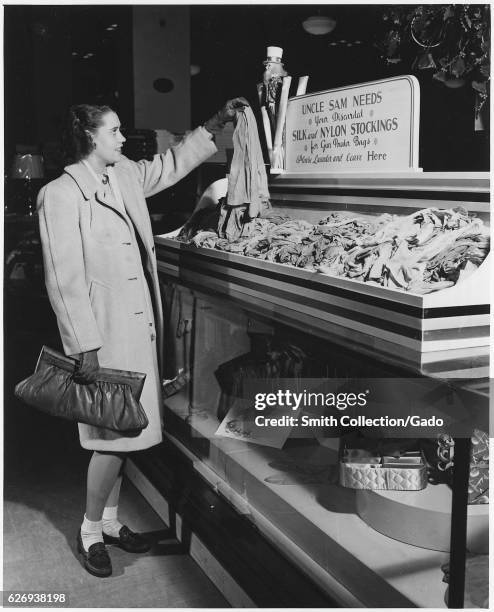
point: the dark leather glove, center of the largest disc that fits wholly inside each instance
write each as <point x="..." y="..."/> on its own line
<point x="87" y="368"/>
<point x="226" y="114"/>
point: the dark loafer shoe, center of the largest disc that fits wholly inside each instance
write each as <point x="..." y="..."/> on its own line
<point x="96" y="560"/>
<point x="128" y="540"/>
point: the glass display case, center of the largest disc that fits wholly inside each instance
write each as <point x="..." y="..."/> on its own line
<point x="230" y="318"/>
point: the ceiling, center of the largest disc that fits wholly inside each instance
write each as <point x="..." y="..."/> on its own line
<point x="229" y="43"/>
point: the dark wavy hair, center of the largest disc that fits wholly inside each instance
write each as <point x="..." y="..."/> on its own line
<point x="82" y="119"/>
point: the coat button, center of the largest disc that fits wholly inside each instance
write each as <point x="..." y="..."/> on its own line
<point x="153" y="337"/>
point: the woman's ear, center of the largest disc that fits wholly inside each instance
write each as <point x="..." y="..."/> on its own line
<point x="90" y="137"/>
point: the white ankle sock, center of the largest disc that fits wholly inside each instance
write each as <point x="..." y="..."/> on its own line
<point x="111" y="525"/>
<point x="91" y="532"/>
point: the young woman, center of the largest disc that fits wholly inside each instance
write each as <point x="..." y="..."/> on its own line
<point x="102" y="281"/>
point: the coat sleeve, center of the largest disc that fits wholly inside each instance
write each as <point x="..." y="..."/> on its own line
<point x="168" y="168"/>
<point x="65" y="277"/>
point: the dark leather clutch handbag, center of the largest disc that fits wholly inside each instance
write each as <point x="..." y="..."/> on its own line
<point x="111" y="402"/>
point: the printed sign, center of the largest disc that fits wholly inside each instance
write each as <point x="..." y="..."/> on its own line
<point x="369" y="127"/>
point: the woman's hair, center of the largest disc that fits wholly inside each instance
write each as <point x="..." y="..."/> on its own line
<point x="82" y="120"/>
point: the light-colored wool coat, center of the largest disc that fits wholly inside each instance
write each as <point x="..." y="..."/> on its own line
<point x="94" y="272"/>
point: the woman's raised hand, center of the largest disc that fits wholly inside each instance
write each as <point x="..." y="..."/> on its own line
<point x="226" y="114"/>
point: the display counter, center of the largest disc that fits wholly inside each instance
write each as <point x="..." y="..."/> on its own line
<point x="225" y="312"/>
<point x="444" y="333"/>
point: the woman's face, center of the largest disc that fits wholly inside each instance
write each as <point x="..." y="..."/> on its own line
<point x="108" y="140"/>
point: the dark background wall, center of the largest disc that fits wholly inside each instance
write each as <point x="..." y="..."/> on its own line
<point x="46" y="69"/>
<point x="229" y="42"/>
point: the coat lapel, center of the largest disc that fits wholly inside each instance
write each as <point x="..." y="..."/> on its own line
<point x="90" y="187"/>
<point x="105" y="196"/>
<point x="130" y="199"/>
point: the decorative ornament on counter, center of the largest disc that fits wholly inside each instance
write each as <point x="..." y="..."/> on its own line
<point x="272" y="82"/>
<point x="273" y="95"/>
<point x="269" y="92"/>
<point x="452" y="40"/>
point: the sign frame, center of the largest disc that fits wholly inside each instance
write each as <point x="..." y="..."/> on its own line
<point x="413" y="131"/>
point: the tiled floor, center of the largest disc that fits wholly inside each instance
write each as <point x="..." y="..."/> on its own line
<point x="44" y="482"/>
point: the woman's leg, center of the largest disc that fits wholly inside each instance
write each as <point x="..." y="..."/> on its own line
<point x="115" y="492"/>
<point x="111" y="524"/>
<point x="102" y="474"/>
<point x="103" y="490"/>
<point x="103" y="471"/>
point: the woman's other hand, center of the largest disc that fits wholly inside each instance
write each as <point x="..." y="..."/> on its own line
<point x="226" y="114"/>
<point x="87" y="368"/>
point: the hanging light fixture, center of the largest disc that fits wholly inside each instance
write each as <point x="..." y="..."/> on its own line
<point x="318" y="25"/>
